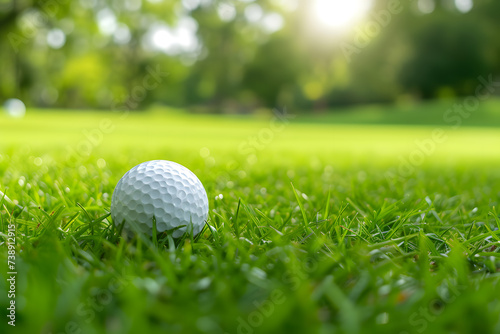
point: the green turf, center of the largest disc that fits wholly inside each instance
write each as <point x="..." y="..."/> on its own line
<point x="315" y="227"/>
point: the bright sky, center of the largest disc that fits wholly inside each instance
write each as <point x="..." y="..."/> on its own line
<point x="340" y="14"/>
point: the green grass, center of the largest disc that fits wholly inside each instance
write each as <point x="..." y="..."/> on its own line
<point x="428" y="113"/>
<point x="317" y="229"/>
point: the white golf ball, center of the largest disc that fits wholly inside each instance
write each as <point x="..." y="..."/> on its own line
<point x="165" y="190"/>
<point x="15" y="108"/>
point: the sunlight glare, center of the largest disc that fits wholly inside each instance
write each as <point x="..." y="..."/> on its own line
<point x="340" y="13"/>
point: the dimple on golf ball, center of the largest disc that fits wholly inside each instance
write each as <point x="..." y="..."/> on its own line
<point x="165" y="190"/>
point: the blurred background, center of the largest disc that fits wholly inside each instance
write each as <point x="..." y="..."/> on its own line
<point x="241" y="56"/>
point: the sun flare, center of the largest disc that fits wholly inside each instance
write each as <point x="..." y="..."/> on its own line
<point x="340" y="14"/>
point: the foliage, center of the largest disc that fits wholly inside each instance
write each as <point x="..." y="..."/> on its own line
<point x="239" y="65"/>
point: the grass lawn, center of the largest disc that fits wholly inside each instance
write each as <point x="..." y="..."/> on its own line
<point x="315" y="226"/>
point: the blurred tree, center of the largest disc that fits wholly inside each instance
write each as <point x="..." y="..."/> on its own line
<point x="277" y="65"/>
<point x="445" y="55"/>
<point x="238" y="55"/>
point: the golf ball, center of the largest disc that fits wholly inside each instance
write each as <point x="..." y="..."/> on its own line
<point x="15" y="108"/>
<point x="165" y="190"/>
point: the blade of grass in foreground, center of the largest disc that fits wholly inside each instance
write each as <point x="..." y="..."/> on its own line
<point x="304" y="215"/>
